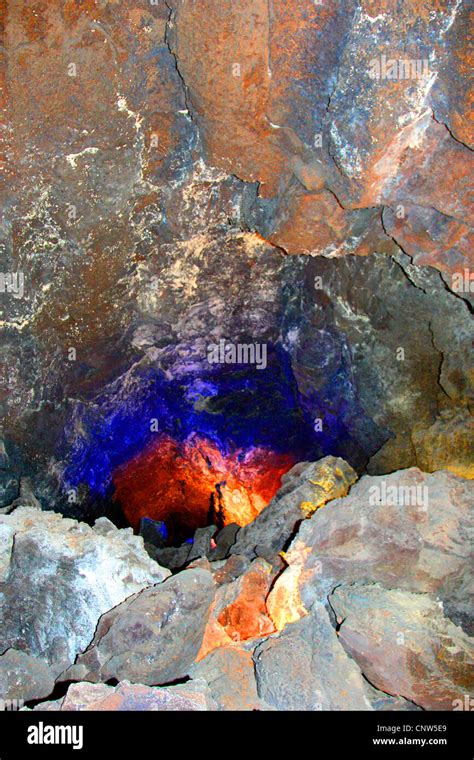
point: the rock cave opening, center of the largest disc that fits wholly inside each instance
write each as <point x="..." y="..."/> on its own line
<point x="209" y="449"/>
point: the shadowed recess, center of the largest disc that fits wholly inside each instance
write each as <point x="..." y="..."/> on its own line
<point x="195" y="449"/>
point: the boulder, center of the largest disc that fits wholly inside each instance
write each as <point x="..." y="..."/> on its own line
<point x="58" y="576"/>
<point x="404" y="644"/>
<point x="407" y="530"/>
<point x="230" y="676"/>
<point x="224" y="540"/>
<point x="131" y="697"/>
<point x="305" y="489"/>
<point x="153" y="637"/>
<point x="24" y="677"/>
<point x="306" y="668"/>
<point x="239" y="611"/>
<point x="201" y="546"/>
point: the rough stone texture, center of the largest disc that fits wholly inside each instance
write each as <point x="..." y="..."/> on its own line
<point x="224" y="539"/>
<point x="229" y="674"/>
<point x="432" y="239"/>
<point x="239" y="611"/>
<point x="59" y="576"/>
<point x="404" y="644"/>
<point x="202" y="542"/>
<point x="306" y="488"/>
<point x="416" y="541"/>
<point x="175" y="558"/>
<point x="153" y="637"/>
<point x="132" y="697"/>
<point x="160" y="161"/>
<point x="379" y="137"/>
<point x="360" y="313"/>
<point x="123" y="151"/>
<point x="24" y="677"/>
<point x="306" y="668"/>
<point x="447" y="443"/>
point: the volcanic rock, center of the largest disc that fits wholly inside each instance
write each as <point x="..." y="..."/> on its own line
<point x="153" y="532"/>
<point x="305" y="489"/>
<point x="58" y="576"/>
<point x="239" y="610"/>
<point x="201" y="546"/>
<point x="162" y="159"/>
<point x="24" y="677"/>
<point x="132" y="697"/>
<point x="407" y="530"/>
<point x="306" y="668"/>
<point x="153" y="637"/>
<point x="230" y="676"/>
<point x="404" y="644"/>
<point x="224" y="540"/>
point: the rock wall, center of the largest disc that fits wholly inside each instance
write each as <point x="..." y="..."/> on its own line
<point x="184" y="177"/>
<point x="160" y="169"/>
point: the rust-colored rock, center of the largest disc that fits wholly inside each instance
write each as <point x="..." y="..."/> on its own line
<point x="239" y="612"/>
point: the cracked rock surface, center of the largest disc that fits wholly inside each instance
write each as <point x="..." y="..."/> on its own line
<point x="185" y="172"/>
<point x="59" y="576"/>
<point x="367" y="609"/>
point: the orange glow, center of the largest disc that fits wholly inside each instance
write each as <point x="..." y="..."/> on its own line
<point x="240" y="611"/>
<point x="192" y="484"/>
<point x="284" y="603"/>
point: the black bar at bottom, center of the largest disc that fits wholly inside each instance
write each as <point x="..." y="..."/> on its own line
<point x="95" y="735"/>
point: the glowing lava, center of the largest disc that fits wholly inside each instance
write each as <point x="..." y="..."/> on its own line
<point x="192" y="484"/>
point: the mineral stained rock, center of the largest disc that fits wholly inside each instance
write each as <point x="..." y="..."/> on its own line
<point x="154" y="636"/>
<point x="239" y="610"/>
<point x="404" y="644"/>
<point x="184" y="177"/>
<point x="367" y="609"/>
<point x="306" y="668"/>
<point x="408" y="530"/>
<point x="132" y="697"/>
<point x="229" y="673"/>
<point x="58" y="576"/>
<point x="158" y="170"/>
<point x="306" y="488"/>
<point x="23" y="677"/>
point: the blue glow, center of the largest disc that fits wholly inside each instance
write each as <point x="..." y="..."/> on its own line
<point x="234" y="406"/>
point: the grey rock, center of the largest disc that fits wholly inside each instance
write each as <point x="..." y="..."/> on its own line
<point x="382" y="702"/>
<point x="172" y="557"/>
<point x="24" y="677"/>
<point x="306" y="668"/>
<point x="9" y="487"/>
<point x="154" y="636"/>
<point x="152" y="532"/>
<point x="305" y="489"/>
<point x="230" y="676"/>
<point x="404" y="644"/>
<point x="192" y="696"/>
<point x="58" y="576"/>
<point x="201" y="546"/>
<point x="26" y="498"/>
<point x="224" y="540"/>
<point x="421" y="543"/>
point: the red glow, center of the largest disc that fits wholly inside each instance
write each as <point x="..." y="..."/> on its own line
<point x="192" y="484"/>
